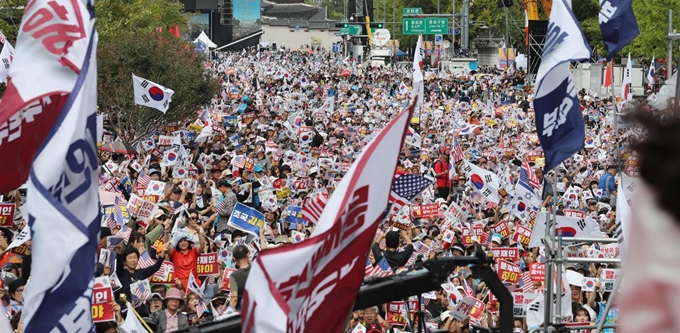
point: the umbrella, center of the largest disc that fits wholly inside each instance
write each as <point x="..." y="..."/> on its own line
<point x="345" y="73"/>
<point x="118" y="147"/>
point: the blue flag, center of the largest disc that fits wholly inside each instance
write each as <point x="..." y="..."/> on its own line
<point x="559" y="123"/>
<point x="64" y="204"/>
<point x="246" y="219"/>
<point x="617" y="24"/>
<point x="201" y="47"/>
<point x="294" y="215"/>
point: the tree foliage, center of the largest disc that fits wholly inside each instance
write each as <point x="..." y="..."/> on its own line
<point x="144" y="16"/>
<point x="158" y="57"/>
<point x="12" y="11"/>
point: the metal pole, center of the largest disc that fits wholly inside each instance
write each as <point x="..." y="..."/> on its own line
<point x="437" y="6"/>
<point x="610" y="301"/>
<point x="466" y="26"/>
<point x="669" y="62"/>
<point x="453" y="30"/>
<point x="507" y="37"/>
<point x="547" y="316"/>
<point x="558" y="284"/>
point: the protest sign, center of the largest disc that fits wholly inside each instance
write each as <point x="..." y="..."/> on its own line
<point x="506" y="253"/>
<point x="246" y="219"/>
<point x="425" y="211"/>
<point x="225" y="278"/>
<point x="508" y="272"/>
<point x="608" y="276"/>
<point x="102" y="298"/>
<point x="520" y="303"/>
<point x="462" y="310"/>
<point x="167" y="276"/>
<point x="522" y="235"/>
<point x="500" y="228"/>
<point x="575" y="213"/>
<point x="395" y="311"/>
<point x="294" y="215"/>
<point x="146" y="213"/>
<point x="537" y="271"/>
<point x="206" y="264"/>
<point x="7" y="214"/>
<point x="165" y="140"/>
<point x="477" y="310"/>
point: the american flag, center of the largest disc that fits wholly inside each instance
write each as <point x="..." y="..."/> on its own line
<point x="313" y="207"/>
<point x="381" y="269"/>
<point x="145" y="260"/>
<point x="140" y="292"/>
<point x="125" y="233"/>
<point x="110" y="221"/>
<point x="418" y="248"/>
<point x="406" y="188"/>
<point x="4" y="309"/>
<point x="143" y="179"/>
<point x="221" y="205"/>
<point x="201" y="307"/>
<point x="466" y="288"/>
<point x="526" y="283"/>
<point x="527" y="175"/>
<point x="457" y="152"/>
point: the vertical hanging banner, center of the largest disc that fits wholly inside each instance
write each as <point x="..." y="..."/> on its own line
<point x="56" y="124"/>
<point x="559" y="123"/>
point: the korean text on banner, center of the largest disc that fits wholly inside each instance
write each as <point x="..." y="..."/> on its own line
<point x="7" y="214"/>
<point x="102" y="298"/>
<point x="64" y="204"/>
<point x="332" y="269"/>
<point x="246" y="219"/>
<point x="294" y="215"/>
<point x="206" y="264"/>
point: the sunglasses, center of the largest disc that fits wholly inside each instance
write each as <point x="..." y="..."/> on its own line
<point x="219" y="303"/>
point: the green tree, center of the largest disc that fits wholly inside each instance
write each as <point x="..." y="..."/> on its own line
<point x="161" y="58"/>
<point x="145" y="16"/>
<point x="12" y="11"/>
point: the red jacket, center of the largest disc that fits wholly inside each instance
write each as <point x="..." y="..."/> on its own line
<point x="442" y="166"/>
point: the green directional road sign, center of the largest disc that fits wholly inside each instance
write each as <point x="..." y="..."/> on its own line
<point x="413" y="11"/>
<point x="351" y="30"/>
<point x="413" y="26"/>
<point x="425" y="26"/>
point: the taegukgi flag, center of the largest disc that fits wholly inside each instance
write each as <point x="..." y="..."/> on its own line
<point x="151" y="94"/>
<point x="559" y="123"/>
<point x="64" y="204"/>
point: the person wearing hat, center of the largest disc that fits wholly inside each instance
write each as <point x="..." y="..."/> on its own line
<point x="441" y="170"/>
<point x="155" y="174"/>
<point x="608" y="183"/>
<point x="155" y="302"/>
<point x="219" y="305"/>
<point x="184" y="256"/>
<point x="229" y="196"/>
<point x="170" y="319"/>
<point x="128" y="273"/>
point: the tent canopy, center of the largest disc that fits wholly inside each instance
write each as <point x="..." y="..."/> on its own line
<point x="204" y="38"/>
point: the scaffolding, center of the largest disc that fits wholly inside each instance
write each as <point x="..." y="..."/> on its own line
<point x="226" y="12"/>
<point x="538" y="29"/>
<point x="555" y="261"/>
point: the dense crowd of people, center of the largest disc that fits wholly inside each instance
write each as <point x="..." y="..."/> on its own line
<point x="190" y="205"/>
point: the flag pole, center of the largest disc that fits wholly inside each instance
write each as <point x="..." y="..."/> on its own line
<point x="130" y="308"/>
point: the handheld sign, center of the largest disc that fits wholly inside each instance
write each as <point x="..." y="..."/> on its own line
<point x="246" y="219"/>
<point x="102" y="296"/>
<point x="7" y="214"/>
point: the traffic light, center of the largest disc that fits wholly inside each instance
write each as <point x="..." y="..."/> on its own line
<point x="341" y="25"/>
<point x="376" y="25"/>
<point x="504" y="3"/>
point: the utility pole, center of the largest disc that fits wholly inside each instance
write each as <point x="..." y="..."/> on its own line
<point x="453" y="30"/>
<point x="465" y="26"/>
<point x="669" y="57"/>
<point x="507" y="37"/>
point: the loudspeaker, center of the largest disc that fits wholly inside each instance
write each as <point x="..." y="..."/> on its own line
<point x="274" y="47"/>
<point x="538" y="29"/>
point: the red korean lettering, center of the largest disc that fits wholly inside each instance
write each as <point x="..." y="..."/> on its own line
<point x="57" y="36"/>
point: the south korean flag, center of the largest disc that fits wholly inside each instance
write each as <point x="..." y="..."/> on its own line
<point x="525" y="201"/>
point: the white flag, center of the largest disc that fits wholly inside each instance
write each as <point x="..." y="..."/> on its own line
<point x="64" y="204"/>
<point x="418" y="85"/>
<point x="626" y="86"/>
<point x="132" y="323"/>
<point x="24" y="235"/>
<point x="151" y="94"/>
<point x="6" y="56"/>
<point x="569" y="226"/>
<point x="524" y="202"/>
<point x="327" y="107"/>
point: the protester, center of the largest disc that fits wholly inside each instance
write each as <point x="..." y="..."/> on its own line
<point x="247" y="179"/>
